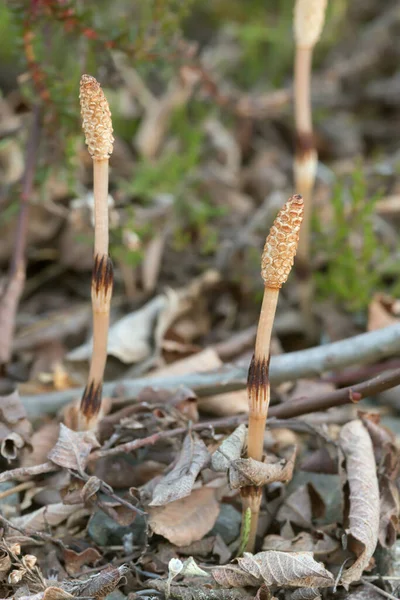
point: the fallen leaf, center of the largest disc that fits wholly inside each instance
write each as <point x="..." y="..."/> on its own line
<point x="190" y="591"/>
<point x="98" y="585"/>
<point x="358" y="472"/>
<point x="247" y="471"/>
<point x="73" y="448"/>
<point x="50" y="593"/>
<point x="225" y="405"/>
<point x="130" y="338"/>
<point x="186" y="520"/>
<point x="230" y="449"/>
<point x="74" y="561"/>
<point x="203" y="361"/>
<point x="297" y="569"/>
<point x="319" y="543"/>
<point x="179" y="482"/>
<point x="305" y="594"/>
<point x="302" y="506"/>
<point x="51" y="515"/>
<point x="42" y="441"/>
<point x="383" y="310"/>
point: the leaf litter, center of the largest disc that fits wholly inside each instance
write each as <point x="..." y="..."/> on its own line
<point x="70" y="501"/>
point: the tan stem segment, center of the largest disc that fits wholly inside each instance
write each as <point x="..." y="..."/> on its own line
<point x="259" y="394"/>
<point x="252" y="499"/>
<point x="305" y="167"/>
<point x="100" y="192"/>
<point x="302" y="90"/>
<point x="265" y="323"/>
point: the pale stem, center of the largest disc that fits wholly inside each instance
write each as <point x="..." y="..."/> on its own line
<point x="100" y="192"/>
<point x="253" y="501"/>
<point x="101" y="320"/>
<point x="302" y="90"/>
<point x="265" y="323"/>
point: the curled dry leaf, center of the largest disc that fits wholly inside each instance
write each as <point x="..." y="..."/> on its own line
<point x="73" y="448"/>
<point x="47" y="516"/>
<point x="186" y="520"/>
<point x="362" y="505"/>
<point x="297" y="569"/>
<point x="230" y="449"/>
<point x="15" y="429"/>
<point x="179" y="482"/>
<point x="247" y="471"/>
<point x="5" y="563"/>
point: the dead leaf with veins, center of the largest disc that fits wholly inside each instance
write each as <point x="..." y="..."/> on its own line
<point x="15" y="429"/>
<point x="284" y="569"/>
<point x="362" y="505"/>
<point x="179" y="482"/>
<point x="186" y="520"/>
<point x="72" y="448"/>
<point x="319" y="543"/>
<point x="247" y="471"/>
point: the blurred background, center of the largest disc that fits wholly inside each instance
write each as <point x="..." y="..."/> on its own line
<point x="201" y="99"/>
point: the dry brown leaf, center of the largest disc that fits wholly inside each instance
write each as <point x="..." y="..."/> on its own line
<point x="179" y="482"/>
<point x="305" y="594"/>
<point x="383" y="311"/>
<point x="51" y="515"/>
<point x="297" y="569"/>
<point x="225" y="405"/>
<point x="359" y="473"/>
<point x="247" y="471"/>
<point x="186" y="520"/>
<point x="190" y="591"/>
<point x="206" y="360"/>
<point x="98" y="585"/>
<point x="230" y="449"/>
<point x="73" y="448"/>
<point x="74" y="561"/>
<point x="320" y="544"/>
<point x="302" y="506"/>
<point x="42" y="442"/>
<point x="50" y="593"/>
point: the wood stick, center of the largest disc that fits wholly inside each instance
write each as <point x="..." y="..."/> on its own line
<point x="361" y="349"/>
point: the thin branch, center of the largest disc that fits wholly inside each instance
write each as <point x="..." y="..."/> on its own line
<point x="361" y="349"/>
<point x="347" y="395"/>
<point x="16" y="278"/>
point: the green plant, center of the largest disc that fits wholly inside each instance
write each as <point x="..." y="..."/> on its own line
<point x="354" y="252"/>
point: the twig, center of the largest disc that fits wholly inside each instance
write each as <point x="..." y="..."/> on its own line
<point x="378" y="590"/>
<point x="107" y="491"/>
<point x="22" y="472"/>
<point x="363" y="348"/>
<point x="39" y="534"/>
<point x="21" y="487"/>
<point x="347" y="395"/>
<point x="278" y="415"/>
<point x="16" y="278"/>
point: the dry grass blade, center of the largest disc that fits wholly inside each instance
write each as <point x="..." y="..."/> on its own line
<point x="362" y="505"/>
